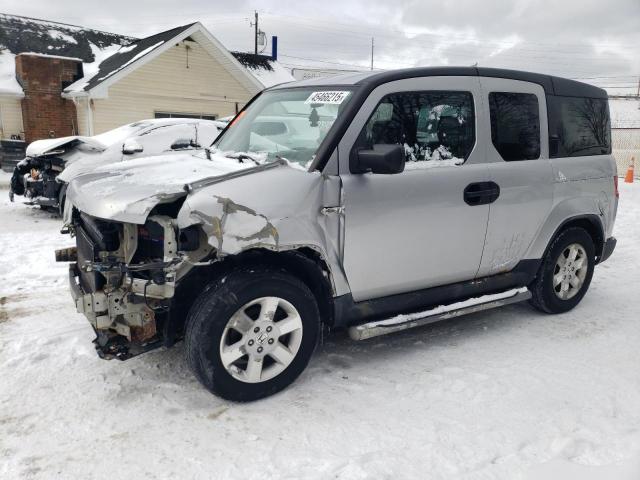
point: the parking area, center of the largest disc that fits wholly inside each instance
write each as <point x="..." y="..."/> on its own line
<point x="509" y="393"/>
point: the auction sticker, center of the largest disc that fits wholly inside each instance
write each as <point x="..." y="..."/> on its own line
<point x="331" y="97"/>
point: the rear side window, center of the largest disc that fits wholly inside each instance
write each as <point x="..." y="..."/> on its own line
<point x="578" y="126"/>
<point x="515" y="125"/>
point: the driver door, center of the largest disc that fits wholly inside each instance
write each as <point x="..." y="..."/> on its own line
<point x="416" y="229"/>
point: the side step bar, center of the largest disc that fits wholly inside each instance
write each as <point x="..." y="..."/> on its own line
<point x="442" y="312"/>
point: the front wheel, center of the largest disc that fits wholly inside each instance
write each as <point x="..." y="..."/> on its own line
<point x="251" y="333"/>
<point x="565" y="273"/>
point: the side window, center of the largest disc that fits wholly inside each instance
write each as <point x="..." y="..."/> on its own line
<point x="578" y="126"/>
<point x="436" y="128"/>
<point x="515" y="125"/>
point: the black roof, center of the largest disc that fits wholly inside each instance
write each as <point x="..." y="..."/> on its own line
<point x="552" y="85"/>
<point x="25" y="34"/>
<point x="134" y="50"/>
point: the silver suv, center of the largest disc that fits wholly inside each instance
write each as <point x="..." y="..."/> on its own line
<point x="373" y="202"/>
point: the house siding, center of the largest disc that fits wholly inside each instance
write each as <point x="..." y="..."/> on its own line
<point x="10" y="117"/>
<point x="180" y="80"/>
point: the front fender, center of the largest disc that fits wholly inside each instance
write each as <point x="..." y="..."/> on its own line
<point x="277" y="214"/>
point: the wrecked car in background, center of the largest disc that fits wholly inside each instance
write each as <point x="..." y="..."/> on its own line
<point x="42" y="177"/>
<point x="375" y="202"/>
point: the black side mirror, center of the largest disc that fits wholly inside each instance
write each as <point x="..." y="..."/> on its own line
<point x="131" y="146"/>
<point x="386" y="159"/>
<point x="182" y="143"/>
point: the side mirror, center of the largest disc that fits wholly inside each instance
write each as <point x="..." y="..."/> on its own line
<point x="131" y="146"/>
<point x="182" y="143"/>
<point x="385" y="159"/>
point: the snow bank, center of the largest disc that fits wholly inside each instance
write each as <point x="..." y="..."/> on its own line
<point x="502" y="395"/>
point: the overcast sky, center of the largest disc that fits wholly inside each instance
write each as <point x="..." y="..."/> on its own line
<point x="572" y="38"/>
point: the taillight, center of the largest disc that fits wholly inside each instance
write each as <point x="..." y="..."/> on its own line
<point x="615" y="186"/>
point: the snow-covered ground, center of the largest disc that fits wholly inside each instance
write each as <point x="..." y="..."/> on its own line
<point x="505" y="394"/>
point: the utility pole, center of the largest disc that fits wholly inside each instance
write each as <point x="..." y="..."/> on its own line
<point x="638" y="92"/>
<point x="256" y="32"/>
<point x="371" y="53"/>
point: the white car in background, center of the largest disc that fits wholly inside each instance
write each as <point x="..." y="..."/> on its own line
<point x="42" y="177"/>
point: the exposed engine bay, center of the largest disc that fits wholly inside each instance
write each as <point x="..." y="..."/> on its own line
<point x="35" y="179"/>
<point x="124" y="279"/>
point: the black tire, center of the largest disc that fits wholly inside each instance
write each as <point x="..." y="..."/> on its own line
<point x="544" y="296"/>
<point x="214" y="307"/>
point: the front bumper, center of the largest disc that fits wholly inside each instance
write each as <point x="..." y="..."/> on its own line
<point x="124" y="323"/>
<point x="607" y="250"/>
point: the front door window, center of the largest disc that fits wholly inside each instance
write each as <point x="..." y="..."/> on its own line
<point x="436" y="128"/>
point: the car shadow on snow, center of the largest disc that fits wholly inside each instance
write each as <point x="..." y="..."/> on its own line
<point x="336" y="353"/>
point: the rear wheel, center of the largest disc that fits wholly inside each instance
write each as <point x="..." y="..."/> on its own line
<point x="252" y="333"/>
<point x="565" y="273"/>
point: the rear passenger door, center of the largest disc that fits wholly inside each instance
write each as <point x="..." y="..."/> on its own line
<point x="518" y="161"/>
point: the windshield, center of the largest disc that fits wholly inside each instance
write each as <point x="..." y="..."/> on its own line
<point x="287" y="124"/>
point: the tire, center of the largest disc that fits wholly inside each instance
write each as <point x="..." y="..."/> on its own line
<point x="62" y="197"/>
<point x="547" y="294"/>
<point x="215" y="316"/>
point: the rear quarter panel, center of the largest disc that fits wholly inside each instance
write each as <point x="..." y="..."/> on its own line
<point x="583" y="186"/>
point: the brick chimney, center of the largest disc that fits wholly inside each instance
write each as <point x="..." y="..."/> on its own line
<point x="45" y="114"/>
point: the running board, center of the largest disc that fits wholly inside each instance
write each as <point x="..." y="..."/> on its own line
<point x="442" y="312"/>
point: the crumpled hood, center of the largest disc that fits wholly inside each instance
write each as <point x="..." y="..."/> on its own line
<point x="128" y="191"/>
<point x="42" y="147"/>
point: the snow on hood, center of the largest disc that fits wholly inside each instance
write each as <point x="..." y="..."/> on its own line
<point x="128" y="191"/>
<point x="42" y="147"/>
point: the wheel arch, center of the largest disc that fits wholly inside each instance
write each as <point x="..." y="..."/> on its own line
<point x="304" y="263"/>
<point x="589" y="222"/>
<point x="581" y="211"/>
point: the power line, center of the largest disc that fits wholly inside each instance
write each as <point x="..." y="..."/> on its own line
<point x="406" y="32"/>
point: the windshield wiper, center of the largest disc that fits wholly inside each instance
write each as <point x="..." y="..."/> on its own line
<point x="241" y="157"/>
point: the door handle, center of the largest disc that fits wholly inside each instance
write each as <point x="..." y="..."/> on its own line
<point x="481" y="193"/>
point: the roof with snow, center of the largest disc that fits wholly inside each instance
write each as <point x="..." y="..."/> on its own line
<point x="25" y="34"/>
<point x="128" y="54"/>
<point x="267" y="70"/>
<point x="106" y="54"/>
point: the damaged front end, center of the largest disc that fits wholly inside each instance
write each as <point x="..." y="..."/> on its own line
<point x="35" y="179"/>
<point x="123" y="279"/>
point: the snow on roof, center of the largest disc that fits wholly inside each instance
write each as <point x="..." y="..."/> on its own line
<point x="268" y="71"/>
<point x="625" y="112"/>
<point x="46" y="55"/>
<point x="123" y="57"/>
<point x="24" y="34"/>
<point x="103" y="54"/>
